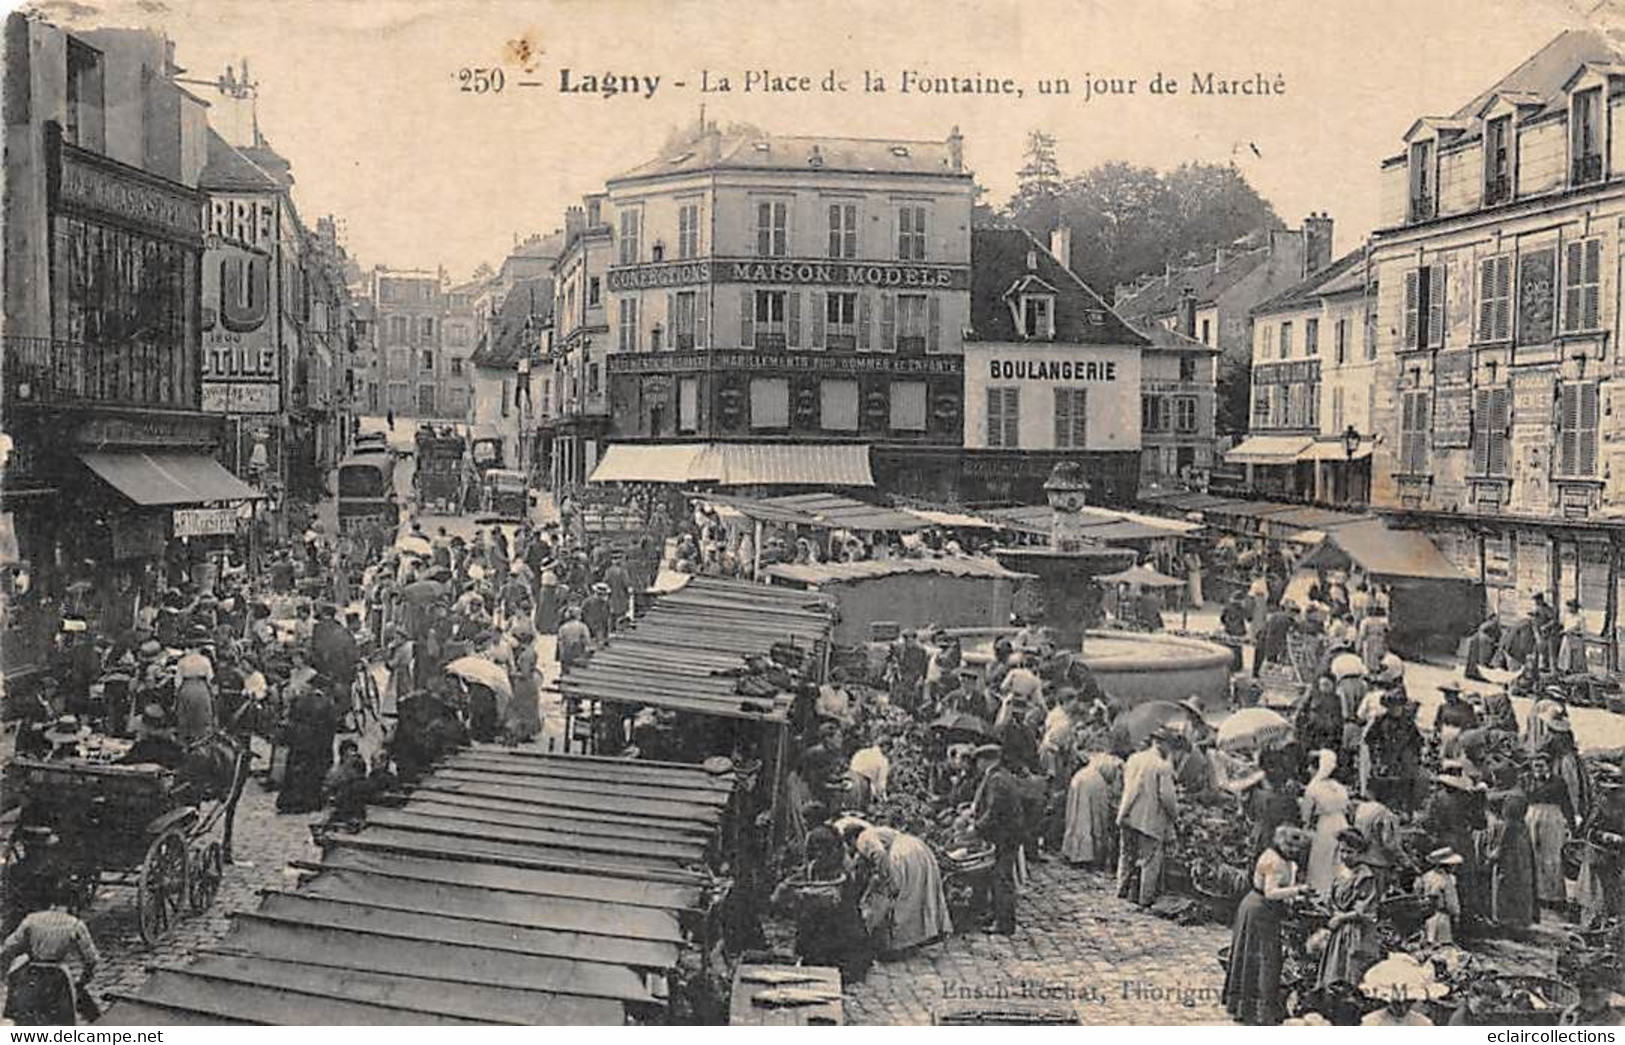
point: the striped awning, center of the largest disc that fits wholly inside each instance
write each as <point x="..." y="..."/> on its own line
<point x="737" y="464"/>
<point x="1269" y="449"/>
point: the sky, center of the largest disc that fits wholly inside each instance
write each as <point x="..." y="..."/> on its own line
<point x="363" y="98"/>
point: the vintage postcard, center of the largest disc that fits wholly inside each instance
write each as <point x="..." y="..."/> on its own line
<point x="824" y="513"/>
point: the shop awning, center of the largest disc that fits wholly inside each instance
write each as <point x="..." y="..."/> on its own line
<point x="1335" y="451"/>
<point x="661" y="463"/>
<point x="849" y="513"/>
<point x="1382" y="552"/>
<point x="155" y="479"/>
<point x="1269" y="449"/>
<point x="736" y="464"/>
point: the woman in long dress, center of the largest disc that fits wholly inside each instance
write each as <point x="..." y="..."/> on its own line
<point x="1355" y="943"/>
<point x="1325" y="812"/>
<point x="1374" y="638"/>
<point x="1511" y="857"/>
<point x="1252" y="982"/>
<point x="523" y="719"/>
<point x="1091" y="812"/>
<point x="905" y="905"/>
<point x="1549" y="817"/>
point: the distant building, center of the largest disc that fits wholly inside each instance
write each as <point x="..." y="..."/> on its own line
<point x="579" y="420"/>
<point x="411" y="308"/>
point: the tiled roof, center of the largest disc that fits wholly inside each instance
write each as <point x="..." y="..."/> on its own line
<point x="529" y="300"/>
<point x="1163" y="339"/>
<point x="228" y="168"/>
<point x="998" y="258"/>
<point x="861" y="155"/>
<point x="1346" y="273"/>
<point x="1543" y="74"/>
<point x="1208" y="281"/>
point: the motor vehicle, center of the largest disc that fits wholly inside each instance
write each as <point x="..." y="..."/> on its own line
<point x="506" y="494"/>
<point x="367" y="492"/>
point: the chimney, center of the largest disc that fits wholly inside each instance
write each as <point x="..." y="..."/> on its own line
<point x="1219" y="257"/>
<point x="956" y="149"/>
<point x="1317" y="242"/>
<point x="595" y="211"/>
<point x="575" y="221"/>
<point x="1060" y="243"/>
<point x="1187" y="311"/>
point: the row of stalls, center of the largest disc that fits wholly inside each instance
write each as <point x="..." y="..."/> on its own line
<point x="1432" y="603"/>
<point x="511" y="887"/>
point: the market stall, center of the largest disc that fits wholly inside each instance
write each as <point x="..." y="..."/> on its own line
<point x="950" y="591"/>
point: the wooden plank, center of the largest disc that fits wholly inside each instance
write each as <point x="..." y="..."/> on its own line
<point x="608" y="797"/>
<point x="389" y="920"/>
<point x="621" y="770"/>
<point x="128" y="1010"/>
<point x="573" y="914"/>
<point x="416" y="843"/>
<point x="646" y="893"/>
<point x="743" y="1012"/>
<point x="447" y="996"/>
<point x="576" y="841"/>
<point x="257" y="936"/>
<point x="541" y="818"/>
<point x="253" y="1003"/>
<point x="700" y="796"/>
<point x="479" y="805"/>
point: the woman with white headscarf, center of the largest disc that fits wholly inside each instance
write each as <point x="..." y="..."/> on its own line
<point x="1325" y="811"/>
<point x="917" y="911"/>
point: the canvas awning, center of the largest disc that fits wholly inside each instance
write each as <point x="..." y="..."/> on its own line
<point x="1382" y="552"/>
<point x="156" y="479"/>
<point x="1269" y="449"/>
<point x="1309" y="517"/>
<point x="849" y="513"/>
<point x="736" y="464"/>
<point x="1335" y="451"/>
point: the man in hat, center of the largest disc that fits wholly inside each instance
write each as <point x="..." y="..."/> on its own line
<point x="574" y="639"/>
<point x="334" y="653"/>
<point x="1481" y="647"/>
<point x="595" y="612"/>
<point x="1439" y="885"/>
<point x="1455" y="813"/>
<point x="1453" y="718"/>
<point x="1600" y="887"/>
<point x="1544" y="619"/>
<point x="619" y="581"/>
<point x="1393" y="753"/>
<point x="1002" y="813"/>
<point x="155" y="741"/>
<point x="1146" y="817"/>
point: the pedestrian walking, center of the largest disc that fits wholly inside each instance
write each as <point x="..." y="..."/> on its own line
<point x="1146" y="819"/>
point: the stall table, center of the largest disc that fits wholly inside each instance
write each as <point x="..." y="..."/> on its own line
<point x="744" y="1012"/>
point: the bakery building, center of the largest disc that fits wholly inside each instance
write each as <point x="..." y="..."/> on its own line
<point x="1052" y="375"/>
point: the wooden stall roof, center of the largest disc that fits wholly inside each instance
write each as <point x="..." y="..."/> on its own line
<point x="867" y="569"/>
<point x="512" y="887"/>
<point x="836" y="511"/>
<point x="677" y="655"/>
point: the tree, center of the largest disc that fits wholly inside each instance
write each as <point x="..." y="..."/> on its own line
<point x="1122" y="217"/>
<point x="1036" y="204"/>
<point x="1215" y="207"/>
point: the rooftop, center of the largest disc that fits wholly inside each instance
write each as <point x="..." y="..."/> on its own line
<point x="530" y="302"/>
<point x="1344" y="274"/>
<point x="999" y="270"/>
<point x="1208" y="281"/>
<point x="716" y="151"/>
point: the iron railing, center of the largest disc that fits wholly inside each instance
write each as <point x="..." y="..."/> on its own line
<point x="1587" y="169"/>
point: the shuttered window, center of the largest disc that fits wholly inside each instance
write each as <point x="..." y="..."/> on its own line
<point x="1495" y="298"/>
<point x="908" y="406"/>
<point x="843" y="230"/>
<point x="838" y="405"/>
<point x="1416" y="417"/>
<point x="1071" y="418"/>
<point x="1424" y="307"/>
<point x="1491" y="419"/>
<point x="772" y="229"/>
<point x="911" y="232"/>
<point x="1577" y="428"/>
<point x="1004" y="416"/>
<point x="1582" y="285"/>
<point x="769" y="402"/>
<point x="688" y="405"/>
<point x="628" y="325"/>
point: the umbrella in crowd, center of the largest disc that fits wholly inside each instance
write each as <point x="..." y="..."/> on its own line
<point x="1134" y="726"/>
<point x="1141" y="577"/>
<point x="482" y="672"/>
<point x="422" y="592"/>
<point x="415" y="545"/>
<point x="1252" y="728"/>
<point x="1347" y="665"/>
<point x="961" y="723"/>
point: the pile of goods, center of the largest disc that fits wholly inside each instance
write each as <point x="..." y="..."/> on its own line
<point x="911" y="804"/>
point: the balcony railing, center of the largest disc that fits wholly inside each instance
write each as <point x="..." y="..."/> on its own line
<point x="1587" y="169"/>
<point x="50" y="372"/>
<point x="1421" y="207"/>
<point x="1497" y="190"/>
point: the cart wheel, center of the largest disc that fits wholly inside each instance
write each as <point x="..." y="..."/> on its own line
<point x="208" y="867"/>
<point x="162" y="889"/>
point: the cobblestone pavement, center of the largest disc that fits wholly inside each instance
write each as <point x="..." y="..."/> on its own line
<point x="1076" y="945"/>
<point x="264" y="844"/>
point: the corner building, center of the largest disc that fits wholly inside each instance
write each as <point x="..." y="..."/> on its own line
<point x="794" y="290"/>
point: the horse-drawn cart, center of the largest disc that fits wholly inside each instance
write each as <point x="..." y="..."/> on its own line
<point x="87" y="824"/>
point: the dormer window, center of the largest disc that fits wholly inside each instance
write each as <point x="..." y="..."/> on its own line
<point x="1497" y="160"/>
<point x="1585" y="136"/>
<point x="1038" y="317"/>
<point x="1421" y="168"/>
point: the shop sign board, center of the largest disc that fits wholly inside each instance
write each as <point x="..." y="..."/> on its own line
<point x="205" y="522"/>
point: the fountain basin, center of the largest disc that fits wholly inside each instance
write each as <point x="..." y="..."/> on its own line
<point x="1133" y="667"/>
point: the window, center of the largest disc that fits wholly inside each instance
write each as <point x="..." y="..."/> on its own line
<point x="426" y="360"/>
<point x="426" y="328"/>
<point x="688" y="230"/>
<point x="841" y="321"/>
<point x="400" y="361"/>
<point x="1416" y="420"/>
<point x="769" y="402"/>
<point x="1185" y="414"/>
<point x="631" y="234"/>
<point x="1311" y="337"/>
<point x="1422" y="181"/>
<point x="657" y="340"/>
<point x="595" y="290"/>
<point x="768" y="319"/>
<point x="1582" y="285"/>
<point x="426" y="401"/>
<point x="1585" y="136"/>
<point x="1424" y="308"/>
<point x="1495" y="298"/>
<point x="838" y="405"/>
<point x="1537" y="297"/>
<point x="1577" y="428"/>
<point x="1148" y="413"/>
<point x="397" y="328"/>
<point x="1492" y="416"/>
<point x="592" y="379"/>
<point x="685" y="308"/>
<point x="1261" y="408"/>
<point x="688" y="405"/>
<point x="911" y="322"/>
<point x="85" y="112"/>
<point x="1038" y="316"/>
<point x="1312" y="393"/>
<point x="1497" y="161"/>
<point x="456" y="366"/>
<point x="1207" y="332"/>
<point x="908" y="406"/>
<point x="628" y="326"/>
<point x="1071" y="418"/>
<point x="843" y="230"/>
<point x="1337" y="409"/>
<point x="1340" y="342"/>
<point x="1187" y="369"/>
<point x="1286" y="340"/>
<point x="911" y="232"/>
<point x="772" y="229"/>
<point x="1004" y="416"/>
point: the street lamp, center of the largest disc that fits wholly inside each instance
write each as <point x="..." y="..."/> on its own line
<point x="1351" y="442"/>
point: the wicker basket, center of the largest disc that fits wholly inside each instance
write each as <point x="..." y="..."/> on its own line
<point x="1558" y="995"/>
<point x="975" y="860"/>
